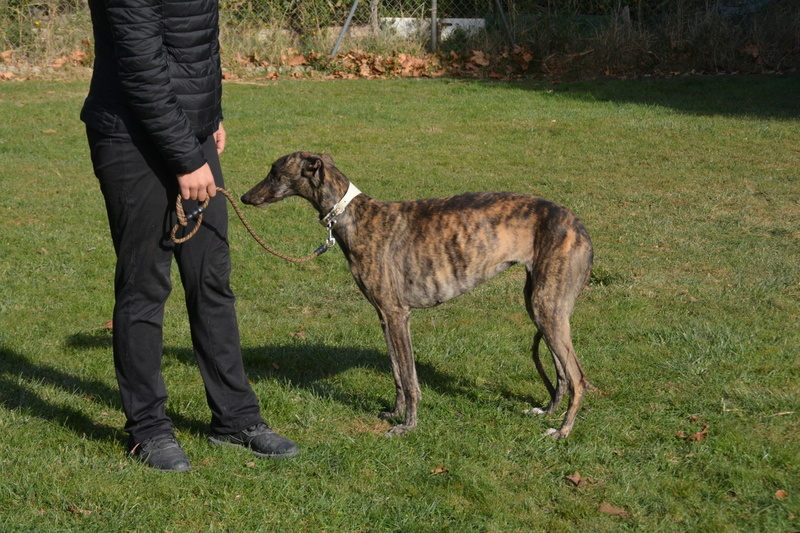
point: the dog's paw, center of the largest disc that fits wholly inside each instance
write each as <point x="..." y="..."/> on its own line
<point x="555" y="434"/>
<point x="535" y="411"/>
<point x="398" y="430"/>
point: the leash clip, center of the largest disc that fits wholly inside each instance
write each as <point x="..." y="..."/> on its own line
<point x="331" y="242"/>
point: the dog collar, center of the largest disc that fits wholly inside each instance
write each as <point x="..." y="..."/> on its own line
<point x="338" y="209"/>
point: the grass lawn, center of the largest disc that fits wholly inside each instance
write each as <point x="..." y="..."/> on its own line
<point x="690" y="327"/>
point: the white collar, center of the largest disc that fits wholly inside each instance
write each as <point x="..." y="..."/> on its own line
<point x="338" y="209"/>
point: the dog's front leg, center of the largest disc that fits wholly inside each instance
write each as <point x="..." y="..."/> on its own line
<point x="396" y="328"/>
<point x="400" y="397"/>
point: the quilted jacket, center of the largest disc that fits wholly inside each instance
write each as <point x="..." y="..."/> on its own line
<point x="157" y="75"/>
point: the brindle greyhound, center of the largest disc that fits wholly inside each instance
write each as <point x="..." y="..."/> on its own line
<point x="418" y="254"/>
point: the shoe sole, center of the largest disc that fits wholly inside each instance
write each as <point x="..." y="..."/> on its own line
<point x="286" y="455"/>
<point x="177" y="470"/>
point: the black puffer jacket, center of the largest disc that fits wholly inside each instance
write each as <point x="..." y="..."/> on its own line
<point x="157" y="74"/>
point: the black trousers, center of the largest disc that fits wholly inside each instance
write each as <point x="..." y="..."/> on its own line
<point x="140" y="192"/>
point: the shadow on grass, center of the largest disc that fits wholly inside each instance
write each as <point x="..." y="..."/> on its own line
<point x="765" y="96"/>
<point x="311" y="367"/>
<point x="306" y="366"/>
<point x="19" y="379"/>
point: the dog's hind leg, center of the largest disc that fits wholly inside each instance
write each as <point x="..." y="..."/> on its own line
<point x="571" y="376"/>
<point x="552" y="405"/>
<point x="397" y="331"/>
<point x="550" y="300"/>
<point x="545" y="379"/>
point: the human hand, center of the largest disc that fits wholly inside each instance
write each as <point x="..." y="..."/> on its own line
<point x="199" y="184"/>
<point x="219" y="138"/>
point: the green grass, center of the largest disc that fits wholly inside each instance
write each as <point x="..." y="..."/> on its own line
<point x="690" y="189"/>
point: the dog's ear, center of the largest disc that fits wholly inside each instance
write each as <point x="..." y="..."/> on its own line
<point x="328" y="160"/>
<point x="313" y="168"/>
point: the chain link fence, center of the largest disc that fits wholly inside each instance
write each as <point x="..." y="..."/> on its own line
<point x="635" y="34"/>
<point x="370" y="24"/>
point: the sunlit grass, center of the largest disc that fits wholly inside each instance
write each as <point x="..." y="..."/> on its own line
<point x="690" y="191"/>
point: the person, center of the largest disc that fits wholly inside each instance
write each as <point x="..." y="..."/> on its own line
<point x="153" y="118"/>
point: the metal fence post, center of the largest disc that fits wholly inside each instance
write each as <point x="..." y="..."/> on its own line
<point x="503" y="18"/>
<point x="344" y="29"/>
<point x="434" y="27"/>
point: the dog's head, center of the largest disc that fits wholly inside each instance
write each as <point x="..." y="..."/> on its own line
<point x="298" y="174"/>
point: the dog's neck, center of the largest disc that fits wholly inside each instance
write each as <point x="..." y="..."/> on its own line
<point x="341" y="205"/>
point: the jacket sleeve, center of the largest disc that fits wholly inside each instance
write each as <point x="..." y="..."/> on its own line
<point x="137" y="27"/>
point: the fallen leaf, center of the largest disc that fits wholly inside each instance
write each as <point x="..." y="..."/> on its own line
<point x="479" y="58"/>
<point x="696" y="437"/>
<point x="439" y="471"/>
<point x="611" y="510"/>
<point x="109" y="325"/>
<point x="74" y="58"/>
<point x="293" y="61"/>
<point x="781" y="494"/>
<point x="579" y="481"/>
<point x="522" y="57"/>
<point x="575" y="479"/>
<point x="74" y="509"/>
<point x="77" y="56"/>
<point x="250" y="464"/>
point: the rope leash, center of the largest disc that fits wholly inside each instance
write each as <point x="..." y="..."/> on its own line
<point x="183" y="221"/>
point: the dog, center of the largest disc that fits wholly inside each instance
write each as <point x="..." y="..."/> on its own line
<point x="419" y="254"/>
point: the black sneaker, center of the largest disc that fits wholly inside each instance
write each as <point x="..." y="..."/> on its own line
<point x="162" y="452"/>
<point x="261" y="439"/>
